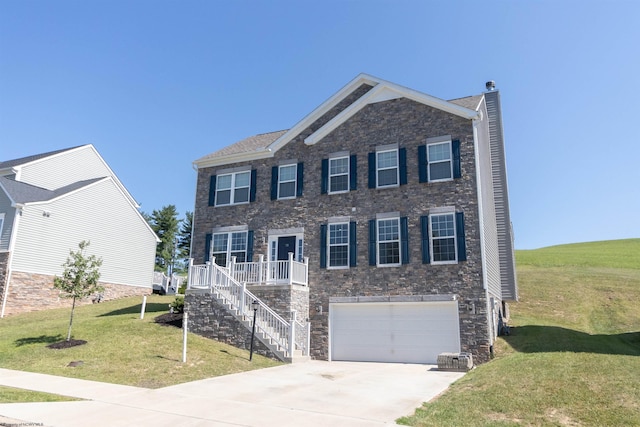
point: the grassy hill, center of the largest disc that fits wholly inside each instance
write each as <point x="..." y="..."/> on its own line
<point x="572" y="358"/>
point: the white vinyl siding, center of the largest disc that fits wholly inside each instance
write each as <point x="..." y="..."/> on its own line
<point x="68" y="167"/>
<point x="99" y="213"/>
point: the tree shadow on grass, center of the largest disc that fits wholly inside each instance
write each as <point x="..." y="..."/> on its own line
<point x="544" y="339"/>
<point x="151" y="307"/>
<point x="42" y="339"/>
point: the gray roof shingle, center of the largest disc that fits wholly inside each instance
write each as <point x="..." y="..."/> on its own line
<point x="21" y="192"/>
<point x="247" y="145"/>
<point x="21" y="161"/>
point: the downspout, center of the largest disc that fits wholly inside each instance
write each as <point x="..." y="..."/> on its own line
<point x="12" y="244"/>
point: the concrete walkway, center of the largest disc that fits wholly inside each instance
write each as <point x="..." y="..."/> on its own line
<point x="314" y="393"/>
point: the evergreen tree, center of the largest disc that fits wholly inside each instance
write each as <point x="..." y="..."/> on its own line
<point x="79" y="278"/>
<point x="184" y="239"/>
<point x="165" y="224"/>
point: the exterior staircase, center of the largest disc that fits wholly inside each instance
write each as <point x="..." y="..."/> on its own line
<point x="288" y="340"/>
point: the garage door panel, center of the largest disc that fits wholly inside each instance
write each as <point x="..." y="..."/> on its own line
<point x="394" y="332"/>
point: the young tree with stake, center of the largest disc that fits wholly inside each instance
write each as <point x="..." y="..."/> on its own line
<point x="79" y="278"/>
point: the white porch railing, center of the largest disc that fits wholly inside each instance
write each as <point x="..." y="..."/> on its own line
<point x="286" y="336"/>
<point x="289" y="272"/>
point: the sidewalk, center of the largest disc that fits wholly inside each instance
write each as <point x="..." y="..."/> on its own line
<point x="315" y="393"/>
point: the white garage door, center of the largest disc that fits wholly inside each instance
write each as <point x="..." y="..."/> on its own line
<point x="405" y="332"/>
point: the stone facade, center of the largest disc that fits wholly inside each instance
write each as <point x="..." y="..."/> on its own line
<point x="398" y="121"/>
<point x="34" y="292"/>
<point x="211" y="319"/>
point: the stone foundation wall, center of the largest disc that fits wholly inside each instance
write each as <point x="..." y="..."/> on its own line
<point x="34" y="292"/>
<point x="210" y="319"/>
<point x="4" y="260"/>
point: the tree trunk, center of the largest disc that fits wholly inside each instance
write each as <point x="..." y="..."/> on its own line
<point x="73" y="307"/>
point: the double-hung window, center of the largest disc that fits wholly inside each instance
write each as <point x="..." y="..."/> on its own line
<point x="387" y="171"/>
<point x="339" y="245"/>
<point x="287" y="181"/>
<point x="227" y="245"/>
<point x="440" y="166"/>
<point x="388" y="241"/>
<point x="443" y="237"/>
<point x="339" y="175"/>
<point x="233" y="188"/>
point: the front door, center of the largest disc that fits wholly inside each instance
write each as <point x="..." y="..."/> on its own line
<point x="286" y="244"/>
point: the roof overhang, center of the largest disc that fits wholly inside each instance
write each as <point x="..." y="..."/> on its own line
<point x="382" y="90"/>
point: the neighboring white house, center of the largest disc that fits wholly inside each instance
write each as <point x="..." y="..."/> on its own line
<point x="48" y="204"/>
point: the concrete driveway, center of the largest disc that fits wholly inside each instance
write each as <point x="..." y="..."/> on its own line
<point x="314" y="393"/>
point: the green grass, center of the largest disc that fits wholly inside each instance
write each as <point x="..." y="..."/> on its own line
<point x="120" y="347"/>
<point x="16" y="395"/>
<point x="572" y="358"/>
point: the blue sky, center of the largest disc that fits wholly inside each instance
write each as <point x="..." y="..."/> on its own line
<point x="157" y="84"/>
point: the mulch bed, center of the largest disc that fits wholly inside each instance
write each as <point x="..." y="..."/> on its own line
<point x="170" y="319"/>
<point x="66" y="344"/>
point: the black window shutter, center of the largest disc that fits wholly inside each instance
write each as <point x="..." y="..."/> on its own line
<point x="404" y="239"/>
<point x="212" y="191"/>
<point x="353" y="173"/>
<point x="207" y="247"/>
<point x="252" y="190"/>
<point x="323" y="246"/>
<point x="455" y="149"/>
<point x="424" y="234"/>
<point x="462" y="247"/>
<point x="372" y="242"/>
<point x="353" y="245"/>
<point x="402" y="157"/>
<point x="324" y="184"/>
<point x="274" y="183"/>
<point x="372" y="170"/>
<point x="422" y="163"/>
<point x="300" y="179"/>
<point x="250" y="246"/>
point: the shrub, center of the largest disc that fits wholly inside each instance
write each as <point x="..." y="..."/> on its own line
<point x="177" y="306"/>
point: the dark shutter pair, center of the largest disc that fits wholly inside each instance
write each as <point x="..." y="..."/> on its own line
<point x="353" y="245"/>
<point x="252" y="188"/>
<point x="460" y="238"/>
<point x="207" y="246"/>
<point x="299" y="180"/>
<point x="422" y="161"/>
<point x="404" y="241"/>
<point x="353" y="175"/>
<point x="402" y="166"/>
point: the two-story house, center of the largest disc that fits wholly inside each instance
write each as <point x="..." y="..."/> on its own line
<point x="50" y="202"/>
<point x="380" y="220"/>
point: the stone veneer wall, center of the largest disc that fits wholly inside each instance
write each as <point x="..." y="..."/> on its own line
<point x="34" y="292"/>
<point x="4" y="259"/>
<point x="212" y="320"/>
<point x="400" y="121"/>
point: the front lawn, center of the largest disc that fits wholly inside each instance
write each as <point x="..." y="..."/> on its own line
<point x="120" y="347"/>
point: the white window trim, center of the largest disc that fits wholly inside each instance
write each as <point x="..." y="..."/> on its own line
<point x="346" y="156"/>
<point x="229" y="232"/>
<point x="397" y="168"/>
<point x="329" y="245"/>
<point x="294" y="180"/>
<point x="429" y="163"/>
<point x="431" y="238"/>
<point x="273" y="242"/>
<point x="233" y="188"/>
<point x="387" y="218"/>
